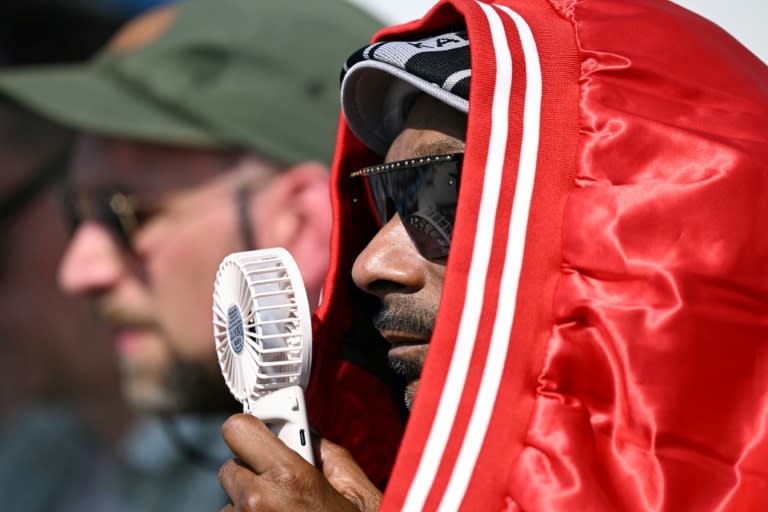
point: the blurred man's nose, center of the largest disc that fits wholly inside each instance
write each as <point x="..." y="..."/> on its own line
<point x="390" y="263"/>
<point x="92" y="262"/>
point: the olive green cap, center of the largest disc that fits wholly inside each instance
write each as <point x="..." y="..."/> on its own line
<point x="230" y="74"/>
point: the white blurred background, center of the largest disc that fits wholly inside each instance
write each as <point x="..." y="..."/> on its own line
<point x="744" y="19"/>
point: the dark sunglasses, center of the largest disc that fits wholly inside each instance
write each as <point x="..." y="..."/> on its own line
<point x="121" y="214"/>
<point x="423" y="192"/>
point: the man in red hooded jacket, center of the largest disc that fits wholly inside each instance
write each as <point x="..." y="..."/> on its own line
<point x="600" y="273"/>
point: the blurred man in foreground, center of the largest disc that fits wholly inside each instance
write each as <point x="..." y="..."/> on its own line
<point x="59" y="401"/>
<point x="205" y="129"/>
<point x="569" y="256"/>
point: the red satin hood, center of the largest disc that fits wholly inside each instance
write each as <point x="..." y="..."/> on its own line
<point x="602" y="340"/>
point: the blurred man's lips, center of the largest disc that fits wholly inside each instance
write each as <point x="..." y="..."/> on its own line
<point x="129" y="339"/>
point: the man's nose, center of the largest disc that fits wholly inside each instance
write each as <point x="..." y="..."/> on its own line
<point x="92" y="262"/>
<point x="390" y="263"/>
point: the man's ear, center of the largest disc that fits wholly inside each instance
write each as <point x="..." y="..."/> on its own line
<point x="294" y="212"/>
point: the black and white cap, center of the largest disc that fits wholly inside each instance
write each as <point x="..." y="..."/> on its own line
<point x="379" y="82"/>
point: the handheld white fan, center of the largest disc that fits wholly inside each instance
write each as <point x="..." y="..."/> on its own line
<point x="263" y="333"/>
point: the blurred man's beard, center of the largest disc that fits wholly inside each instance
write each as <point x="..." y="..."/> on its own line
<point x="183" y="387"/>
<point x="408" y="315"/>
<point x="169" y="384"/>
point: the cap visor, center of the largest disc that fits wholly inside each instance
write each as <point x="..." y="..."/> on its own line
<point x="375" y="97"/>
<point x="88" y="99"/>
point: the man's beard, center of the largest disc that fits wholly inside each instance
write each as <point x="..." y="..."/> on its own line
<point x="182" y="386"/>
<point x="199" y="389"/>
<point x="408" y="316"/>
<point x="185" y="387"/>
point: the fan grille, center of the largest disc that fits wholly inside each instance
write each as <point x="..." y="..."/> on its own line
<point x="261" y="323"/>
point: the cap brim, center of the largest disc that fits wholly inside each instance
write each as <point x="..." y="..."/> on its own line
<point x="376" y="98"/>
<point x="87" y="99"/>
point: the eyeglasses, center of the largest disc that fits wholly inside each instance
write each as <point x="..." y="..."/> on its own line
<point x="423" y="192"/>
<point x="124" y="214"/>
<point x="120" y="213"/>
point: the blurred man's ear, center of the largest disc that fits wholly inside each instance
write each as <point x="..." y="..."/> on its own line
<point x="294" y="212"/>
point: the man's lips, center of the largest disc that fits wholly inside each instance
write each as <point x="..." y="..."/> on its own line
<point x="129" y="340"/>
<point x="400" y="339"/>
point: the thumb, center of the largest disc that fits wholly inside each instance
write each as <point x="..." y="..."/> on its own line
<point x="347" y="477"/>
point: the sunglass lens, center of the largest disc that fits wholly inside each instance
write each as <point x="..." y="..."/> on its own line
<point x="69" y="210"/>
<point x="76" y="210"/>
<point x="425" y="197"/>
<point x="432" y="236"/>
<point x="105" y="212"/>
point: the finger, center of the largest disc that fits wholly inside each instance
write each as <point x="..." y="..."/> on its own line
<point x="347" y="477"/>
<point x="337" y="462"/>
<point x="228" y="508"/>
<point x="252" y="442"/>
<point x="235" y="478"/>
<point x="251" y="492"/>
